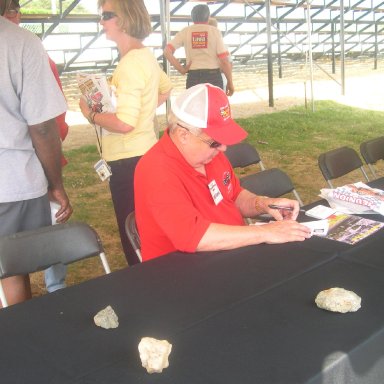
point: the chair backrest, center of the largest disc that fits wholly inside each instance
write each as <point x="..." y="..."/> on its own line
<point x="133" y="234"/>
<point x="339" y="162"/>
<point x="271" y="182"/>
<point x="35" y="250"/>
<point x="242" y="155"/>
<point x="372" y="151"/>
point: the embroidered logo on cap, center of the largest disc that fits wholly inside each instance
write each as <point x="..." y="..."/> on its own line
<point x="225" y="112"/>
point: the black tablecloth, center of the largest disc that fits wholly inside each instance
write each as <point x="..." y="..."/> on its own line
<point x="241" y="316"/>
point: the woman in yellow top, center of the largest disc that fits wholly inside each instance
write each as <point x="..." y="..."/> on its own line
<point x="140" y="86"/>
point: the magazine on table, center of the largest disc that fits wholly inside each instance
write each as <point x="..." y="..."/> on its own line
<point x="355" y="198"/>
<point x="351" y="229"/>
<point x="339" y="226"/>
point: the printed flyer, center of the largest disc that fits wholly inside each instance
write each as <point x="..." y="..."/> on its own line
<point x="351" y="229"/>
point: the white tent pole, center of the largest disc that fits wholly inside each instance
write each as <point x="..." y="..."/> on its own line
<point x="342" y="47"/>
<point x="309" y="25"/>
<point x="165" y="21"/>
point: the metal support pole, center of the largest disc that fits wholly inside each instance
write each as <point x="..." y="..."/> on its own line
<point x="333" y="48"/>
<point x="376" y="48"/>
<point x="165" y="20"/>
<point x="279" y="52"/>
<point x="165" y="31"/>
<point x="309" y="26"/>
<point x="269" y="50"/>
<point x="342" y="47"/>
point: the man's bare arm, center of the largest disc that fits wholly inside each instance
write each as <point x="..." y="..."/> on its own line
<point x="226" y="68"/>
<point x="47" y="144"/>
<point x="175" y="62"/>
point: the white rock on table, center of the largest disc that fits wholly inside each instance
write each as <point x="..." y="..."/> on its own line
<point x="154" y="354"/>
<point x="106" y="318"/>
<point x="338" y="300"/>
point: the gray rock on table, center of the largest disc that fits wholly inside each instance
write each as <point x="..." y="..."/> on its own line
<point x="338" y="300"/>
<point x="106" y="318"/>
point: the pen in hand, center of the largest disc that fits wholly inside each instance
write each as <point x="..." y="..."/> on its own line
<point x="274" y="206"/>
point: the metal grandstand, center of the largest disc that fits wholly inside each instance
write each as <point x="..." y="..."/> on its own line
<point x="253" y="30"/>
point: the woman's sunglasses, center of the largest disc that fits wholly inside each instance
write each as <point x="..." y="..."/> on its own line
<point x="106" y="15"/>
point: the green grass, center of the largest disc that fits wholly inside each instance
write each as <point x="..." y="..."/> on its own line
<point x="298" y="129"/>
<point x="291" y="140"/>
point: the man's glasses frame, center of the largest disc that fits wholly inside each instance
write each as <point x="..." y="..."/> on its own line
<point x="107" y="15"/>
<point x="210" y="142"/>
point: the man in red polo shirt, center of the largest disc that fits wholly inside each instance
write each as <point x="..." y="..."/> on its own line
<point x="187" y="196"/>
<point x="206" y="54"/>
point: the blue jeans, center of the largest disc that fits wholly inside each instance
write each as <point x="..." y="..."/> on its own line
<point x="55" y="277"/>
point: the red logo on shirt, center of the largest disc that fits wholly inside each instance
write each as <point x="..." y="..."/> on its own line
<point x="226" y="178"/>
<point x="199" y="40"/>
<point x="227" y="182"/>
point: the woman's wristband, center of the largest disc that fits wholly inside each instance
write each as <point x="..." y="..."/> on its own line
<point x="91" y="117"/>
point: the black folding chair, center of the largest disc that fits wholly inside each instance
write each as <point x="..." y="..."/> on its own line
<point x="271" y="182"/>
<point x="242" y="155"/>
<point x="372" y="151"/>
<point x="36" y="250"/>
<point x="340" y="162"/>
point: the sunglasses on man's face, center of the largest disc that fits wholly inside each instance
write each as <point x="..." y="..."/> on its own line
<point x="107" y="15"/>
<point x="212" y="143"/>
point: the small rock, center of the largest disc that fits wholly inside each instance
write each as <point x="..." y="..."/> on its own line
<point x="154" y="354"/>
<point x="106" y="318"/>
<point x="338" y="300"/>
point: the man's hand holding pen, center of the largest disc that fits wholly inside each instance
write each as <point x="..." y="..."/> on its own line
<point x="284" y="209"/>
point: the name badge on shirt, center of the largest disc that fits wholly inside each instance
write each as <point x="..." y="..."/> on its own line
<point x="215" y="192"/>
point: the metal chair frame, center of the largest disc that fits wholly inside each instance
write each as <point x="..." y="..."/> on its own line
<point x="133" y="234"/>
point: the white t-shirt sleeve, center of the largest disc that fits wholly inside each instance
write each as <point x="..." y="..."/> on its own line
<point x="41" y="99"/>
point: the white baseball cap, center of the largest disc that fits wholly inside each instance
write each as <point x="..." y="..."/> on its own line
<point x="207" y="107"/>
